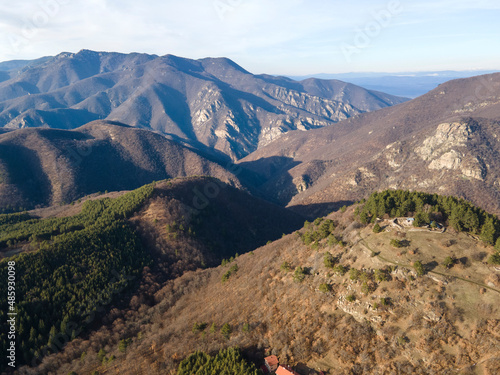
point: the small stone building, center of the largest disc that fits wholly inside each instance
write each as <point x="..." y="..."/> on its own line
<point x="271" y="363"/>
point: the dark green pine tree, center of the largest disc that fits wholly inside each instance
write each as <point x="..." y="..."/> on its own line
<point x="471" y="221"/>
<point x="488" y="231"/>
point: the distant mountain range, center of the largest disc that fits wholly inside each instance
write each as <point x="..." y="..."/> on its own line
<point x="445" y="141"/>
<point x="313" y="145"/>
<point x="211" y="102"/>
<point x="407" y="84"/>
<point x="134" y="282"/>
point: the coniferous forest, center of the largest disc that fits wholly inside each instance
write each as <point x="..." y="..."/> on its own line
<point x="459" y="214"/>
<point x="226" y="362"/>
<point x="79" y="264"/>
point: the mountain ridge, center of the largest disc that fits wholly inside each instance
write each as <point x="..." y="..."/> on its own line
<point x="41" y="166"/>
<point x="213" y="101"/>
<point x="406" y="84"/>
<point x="352" y="158"/>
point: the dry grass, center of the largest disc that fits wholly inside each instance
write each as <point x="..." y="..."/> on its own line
<point x="426" y="326"/>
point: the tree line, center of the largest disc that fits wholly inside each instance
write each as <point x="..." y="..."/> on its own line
<point x="226" y="362"/>
<point x="426" y="208"/>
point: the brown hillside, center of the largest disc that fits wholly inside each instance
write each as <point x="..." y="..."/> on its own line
<point x="195" y="222"/>
<point x="48" y="166"/>
<point x="386" y="319"/>
<point x="381" y="149"/>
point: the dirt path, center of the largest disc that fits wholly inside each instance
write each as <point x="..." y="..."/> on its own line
<point x="363" y="242"/>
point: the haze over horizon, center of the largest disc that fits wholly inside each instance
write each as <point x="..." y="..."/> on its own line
<point x="288" y="38"/>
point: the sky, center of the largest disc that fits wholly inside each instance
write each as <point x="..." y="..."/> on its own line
<point x="292" y="37"/>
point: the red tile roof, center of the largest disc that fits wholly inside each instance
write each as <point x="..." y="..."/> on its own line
<point x="285" y="370"/>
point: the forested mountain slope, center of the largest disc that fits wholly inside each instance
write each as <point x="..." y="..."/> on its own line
<point x="337" y="295"/>
<point x="73" y="268"/>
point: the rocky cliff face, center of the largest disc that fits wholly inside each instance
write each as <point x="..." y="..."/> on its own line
<point x="458" y="158"/>
<point x="446" y="149"/>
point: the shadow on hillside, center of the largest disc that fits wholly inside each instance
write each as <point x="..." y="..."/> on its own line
<point x="4" y="76"/>
<point x="24" y="170"/>
<point x="271" y="178"/>
<point x="303" y="369"/>
<point x="431" y="266"/>
<point x="314" y="210"/>
<point x="178" y="110"/>
<point x="254" y="354"/>
<point x="270" y="168"/>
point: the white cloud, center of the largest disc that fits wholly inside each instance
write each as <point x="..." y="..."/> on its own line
<point x="446" y="7"/>
<point x="191" y="27"/>
<point x="262" y="35"/>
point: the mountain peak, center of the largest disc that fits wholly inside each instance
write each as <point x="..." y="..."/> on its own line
<point x="223" y="62"/>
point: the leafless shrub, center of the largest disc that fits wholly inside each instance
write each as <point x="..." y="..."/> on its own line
<point x="478" y="256"/>
<point x="400" y="234"/>
<point x="463" y="262"/>
<point x="353" y="226"/>
<point x="448" y="243"/>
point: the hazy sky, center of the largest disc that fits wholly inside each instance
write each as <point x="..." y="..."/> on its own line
<point x="290" y="37"/>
